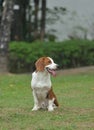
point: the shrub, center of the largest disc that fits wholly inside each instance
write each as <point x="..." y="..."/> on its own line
<point x="67" y="54"/>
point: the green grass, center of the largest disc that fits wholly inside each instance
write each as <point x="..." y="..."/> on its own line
<point x="75" y="94"/>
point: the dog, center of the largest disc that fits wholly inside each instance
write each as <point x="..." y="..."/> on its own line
<point x="44" y="97"/>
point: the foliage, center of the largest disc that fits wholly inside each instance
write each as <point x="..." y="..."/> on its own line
<point x="67" y="54"/>
<point x="75" y="95"/>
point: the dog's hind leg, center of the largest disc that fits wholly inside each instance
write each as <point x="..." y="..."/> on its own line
<point x="52" y="100"/>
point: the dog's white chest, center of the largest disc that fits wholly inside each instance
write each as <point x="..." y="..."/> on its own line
<point x="40" y="80"/>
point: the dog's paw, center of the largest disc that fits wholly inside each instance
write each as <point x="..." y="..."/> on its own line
<point x="50" y="108"/>
<point x="35" y="108"/>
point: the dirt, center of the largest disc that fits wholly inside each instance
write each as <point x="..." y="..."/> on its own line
<point x="81" y="70"/>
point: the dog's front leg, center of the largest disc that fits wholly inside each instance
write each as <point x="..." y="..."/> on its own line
<point x="36" y="103"/>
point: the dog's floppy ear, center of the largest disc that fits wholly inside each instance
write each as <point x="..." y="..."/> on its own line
<point x="40" y="64"/>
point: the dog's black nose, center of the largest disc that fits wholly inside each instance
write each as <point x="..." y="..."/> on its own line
<point x="57" y="66"/>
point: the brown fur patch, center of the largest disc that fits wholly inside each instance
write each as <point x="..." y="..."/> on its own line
<point x="41" y="63"/>
<point x="51" y="95"/>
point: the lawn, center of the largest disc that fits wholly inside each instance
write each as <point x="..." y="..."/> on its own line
<point x="75" y="93"/>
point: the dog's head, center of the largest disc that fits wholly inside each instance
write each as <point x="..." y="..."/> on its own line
<point x="46" y="64"/>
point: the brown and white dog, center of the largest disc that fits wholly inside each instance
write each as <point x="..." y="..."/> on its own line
<point x="43" y="94"/>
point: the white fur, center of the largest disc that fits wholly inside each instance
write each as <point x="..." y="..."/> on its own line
<point x="41" y="84"/>
<point x="53" y="65"/>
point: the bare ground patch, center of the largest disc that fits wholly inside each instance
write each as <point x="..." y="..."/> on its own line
<point x="81" y="70"/>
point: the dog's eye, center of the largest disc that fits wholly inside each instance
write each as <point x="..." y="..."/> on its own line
<point x="49" y="61"/>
